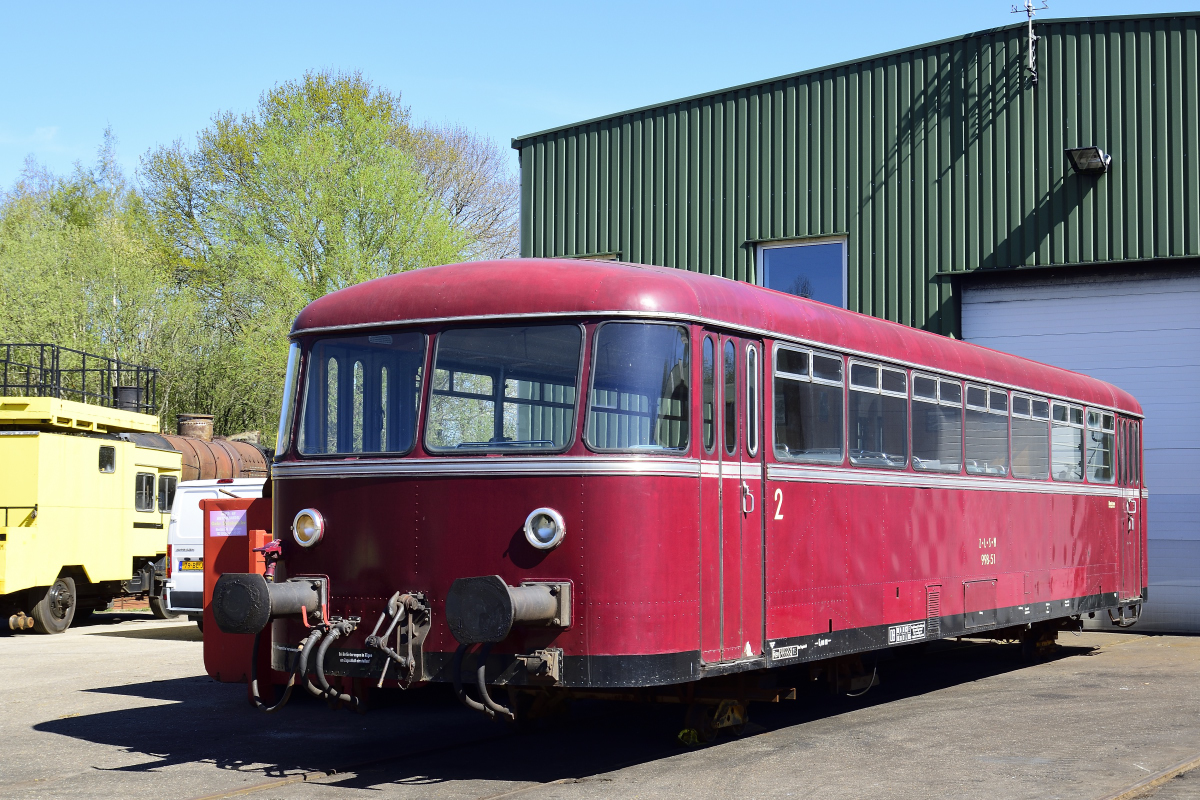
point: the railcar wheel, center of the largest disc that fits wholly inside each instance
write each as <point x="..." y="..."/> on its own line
<point x="700" y="720"/>
<point x="1039" y="644"/>
<point x="158" y="607"/>
<point x="55" y="611"/>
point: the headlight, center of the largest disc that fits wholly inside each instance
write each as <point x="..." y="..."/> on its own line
<point x="545" y="529"/>
<point x="308" y="527"/>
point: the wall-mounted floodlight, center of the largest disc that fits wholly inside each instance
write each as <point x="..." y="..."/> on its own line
<point x="1089" y="160"/>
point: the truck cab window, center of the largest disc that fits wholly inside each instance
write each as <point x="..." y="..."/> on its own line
<point x="166" y="492"/>
<point x="108" y="458"/>
<point x="143" y="492"/>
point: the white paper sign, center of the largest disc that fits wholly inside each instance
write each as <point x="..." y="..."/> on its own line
<point x="227" y="523"/>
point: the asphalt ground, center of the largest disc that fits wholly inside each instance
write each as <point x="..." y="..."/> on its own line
<point x="121" y="707"/>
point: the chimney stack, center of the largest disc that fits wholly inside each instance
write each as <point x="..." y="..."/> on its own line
<point x="199" y="426"/>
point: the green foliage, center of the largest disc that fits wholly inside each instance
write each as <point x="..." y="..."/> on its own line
<point x="311" y="194"/>
<point x="76" y="270"/>
<point x="201" y="270"/>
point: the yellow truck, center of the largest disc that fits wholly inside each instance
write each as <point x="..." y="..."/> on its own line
<point x="85" y="500"/>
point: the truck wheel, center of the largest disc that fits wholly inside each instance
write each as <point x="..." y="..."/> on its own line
<point x="158" y="607"/>
<point x="55" y="611"/>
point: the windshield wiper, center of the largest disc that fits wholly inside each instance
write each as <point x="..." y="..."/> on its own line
<point x="507" y="443"/>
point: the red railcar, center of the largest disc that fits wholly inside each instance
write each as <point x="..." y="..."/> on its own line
<point x="611" y="475"/>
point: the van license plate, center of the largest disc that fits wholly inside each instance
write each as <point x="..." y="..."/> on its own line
<point x="192" y="565"/>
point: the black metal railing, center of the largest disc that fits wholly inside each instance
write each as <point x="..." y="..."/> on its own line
<point x="47" y="370"/>
<point x="32" y="515"/>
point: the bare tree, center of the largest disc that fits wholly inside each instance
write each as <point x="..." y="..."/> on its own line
<point x="473" y="178"/>
<point x="801" y="287"/>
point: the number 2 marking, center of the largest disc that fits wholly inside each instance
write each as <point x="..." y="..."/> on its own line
<point x="779" y="502"/>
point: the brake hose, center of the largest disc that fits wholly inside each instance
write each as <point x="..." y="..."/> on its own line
<point x="331" y="694"/>
<point x="456" y="672"/>
<point x="481" y="681"/>
<point x="287" y="691"/>
<point x="302" y="668"/>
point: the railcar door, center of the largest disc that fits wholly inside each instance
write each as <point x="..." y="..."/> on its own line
<point x="739" y="480"/>
<point x="1129" y="514"/>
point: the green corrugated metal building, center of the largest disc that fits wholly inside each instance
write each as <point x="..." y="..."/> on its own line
<point x="929" y="162"/>
<point x="931" y="186"/>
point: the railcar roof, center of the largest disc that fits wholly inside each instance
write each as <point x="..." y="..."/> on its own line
<point x="512" y="287"/>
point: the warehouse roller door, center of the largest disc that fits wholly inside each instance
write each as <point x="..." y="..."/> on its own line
<point x="1142" y="333"/>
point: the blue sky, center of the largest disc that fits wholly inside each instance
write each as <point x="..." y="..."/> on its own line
<point x="158" y="71"/>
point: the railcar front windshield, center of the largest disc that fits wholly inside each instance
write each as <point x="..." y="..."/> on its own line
<point x="361" y="394"/>
<point x="510" y="388"/>
<point x="639" y="387"/>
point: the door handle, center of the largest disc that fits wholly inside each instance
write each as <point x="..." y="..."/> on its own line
<point x="747" y="495"/>
<point x="1130" y="506"/>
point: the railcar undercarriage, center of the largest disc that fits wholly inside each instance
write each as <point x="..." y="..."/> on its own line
<point x="482" y="612"/>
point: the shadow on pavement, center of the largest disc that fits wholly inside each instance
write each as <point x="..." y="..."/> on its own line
<point x="425" y="736"/>
<point x="104" y="618"/>
<point x="175" y="633"/>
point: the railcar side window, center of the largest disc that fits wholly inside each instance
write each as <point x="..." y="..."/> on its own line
<point x="639" y="397"/>
<point x="1066" y="433"/>
<point x="143" y="492"/>
<point x="1122" y="452"/>
<point x="708" y="395"/>
<point x="1135" y="448"/>
<point x="361" y="394"/>
<point x="730" y="397"/>
<point x="751" y="399"/>
<point x="1030" y="437"/>
<point x="987" y="431"/>
<point x="1101" y="436"/>
<point x="878" y="416"/>
<point x="288" y="413"/>
<point x="504" y="388"/>
<point x="808" y="406"/>
<point x="937" y="424"/>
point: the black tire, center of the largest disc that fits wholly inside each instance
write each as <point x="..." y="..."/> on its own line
<point x="158" y="607"/>
<point x="55" y="611"/>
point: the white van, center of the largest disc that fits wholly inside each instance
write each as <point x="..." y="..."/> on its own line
<point x="184" y="587"/>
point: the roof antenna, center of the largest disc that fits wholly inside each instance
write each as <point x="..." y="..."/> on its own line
<point x="1030" y="9"/>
